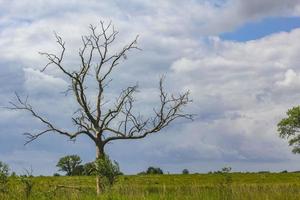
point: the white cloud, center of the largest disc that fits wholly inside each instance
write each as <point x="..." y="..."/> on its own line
<point x="37" y="81"/>
<point x="290" y="79"/>
<point x="240" y="91"/>
<point x="239" y="88"/>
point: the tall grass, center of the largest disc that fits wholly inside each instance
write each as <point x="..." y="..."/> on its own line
<point x="170" y="187"/>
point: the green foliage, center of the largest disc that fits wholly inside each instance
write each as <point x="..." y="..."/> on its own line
<point x="13" y="174"/>
<point x="70" y="165"/>
<point x="289" y="127"/>
<point x="78" y="170"/>
<point x="27" y="185"/>
<point x="185" y="171"/>
<point x="154" y="170"/>
<point x="107" y="170"/>
<point x="27" y="181"/>
<point x="56" y="174"/>
<point x="89" y="169"/>
<point x="243" y="186"/>
<point x="4" y="170"/>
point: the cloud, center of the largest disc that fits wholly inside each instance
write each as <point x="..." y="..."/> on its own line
<point x="256" y="8"/>
<point x="290" y="79"/>
<point x="240" y="89"/>
<point x="18" y="161"/>
<point x="46" y="83"/>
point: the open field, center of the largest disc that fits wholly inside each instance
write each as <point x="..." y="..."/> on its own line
<point x="242" y="186"/>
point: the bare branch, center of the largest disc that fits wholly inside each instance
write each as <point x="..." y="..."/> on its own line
<point x="125" y="96"/>
<point x="134" y="127"/>
<point x="57" y="60"/>
<point x="24" y="105"/>
<point x="122" y="54"/>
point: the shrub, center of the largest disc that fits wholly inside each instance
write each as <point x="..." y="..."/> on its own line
<point x="154" y="170"/>
<point x="185" y="171"/>
<point x="107" y="170"/>
<point x="78" y="171"/>
<point x="89" y="169"/>
<point x="26" y="179"/>
<point x="4" y="170"/>
<point x="56" y="174"/>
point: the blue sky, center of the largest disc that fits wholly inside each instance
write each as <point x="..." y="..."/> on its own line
<point x="239" y="59"/>
<point x="260" y="28"/>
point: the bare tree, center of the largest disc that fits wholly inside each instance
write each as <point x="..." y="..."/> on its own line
<point x="93" y="119"/>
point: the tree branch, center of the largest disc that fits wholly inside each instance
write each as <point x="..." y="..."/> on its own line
<point x="24" y="105"/>
<point x="134" y="127"/>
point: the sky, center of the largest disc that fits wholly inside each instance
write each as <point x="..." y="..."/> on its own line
<point x="239" y="59"/>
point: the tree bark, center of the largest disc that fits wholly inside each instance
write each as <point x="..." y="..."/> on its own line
<point x="99" y="155"/>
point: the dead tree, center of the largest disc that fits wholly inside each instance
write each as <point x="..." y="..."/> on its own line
<point x="103" y="125"/>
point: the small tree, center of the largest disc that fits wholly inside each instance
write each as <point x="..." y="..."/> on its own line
<point x="27" y="181"/>
<point x="4" y="169"/>
<point x="69" y="164"/>
<point x="185" y="171"/>
<point x="4" y="172"/>
<point x="107" y="169"/>
<point x="94" y="118"/>
<point x="289" y="128"/>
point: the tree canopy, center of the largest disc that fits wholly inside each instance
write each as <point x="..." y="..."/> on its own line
<point x="289" y="128"/>
<point x="69" y="164"/>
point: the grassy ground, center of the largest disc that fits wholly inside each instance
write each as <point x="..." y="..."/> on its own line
<point x="241" y="186"/>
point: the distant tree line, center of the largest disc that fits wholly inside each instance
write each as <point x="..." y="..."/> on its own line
<point x="72" y="166"/>
<point x="152" y="170"/>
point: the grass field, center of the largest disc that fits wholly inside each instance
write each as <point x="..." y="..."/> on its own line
<point x="251" y="186"/>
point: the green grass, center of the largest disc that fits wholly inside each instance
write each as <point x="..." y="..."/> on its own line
<point x="241" y="186"/>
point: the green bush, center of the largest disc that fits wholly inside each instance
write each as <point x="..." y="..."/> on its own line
<point x="56" y="174"/>
<point x="27" y="181"/>
<point x="13" y="175"/>
<point x="89" y="169"/>
<point x="4" y="170"/>
<point x="78" y="171"/>
<point x="107" y="170"/>
<point x="185" y="171"/>
<point x="154" y="170"/>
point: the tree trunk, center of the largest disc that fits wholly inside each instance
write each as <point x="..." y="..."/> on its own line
<point x="99" y="154"/>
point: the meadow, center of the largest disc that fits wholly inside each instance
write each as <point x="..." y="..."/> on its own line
<point x="241" y="186"/>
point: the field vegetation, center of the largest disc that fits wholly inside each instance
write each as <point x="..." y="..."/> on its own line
<point x="211" y="186"/>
